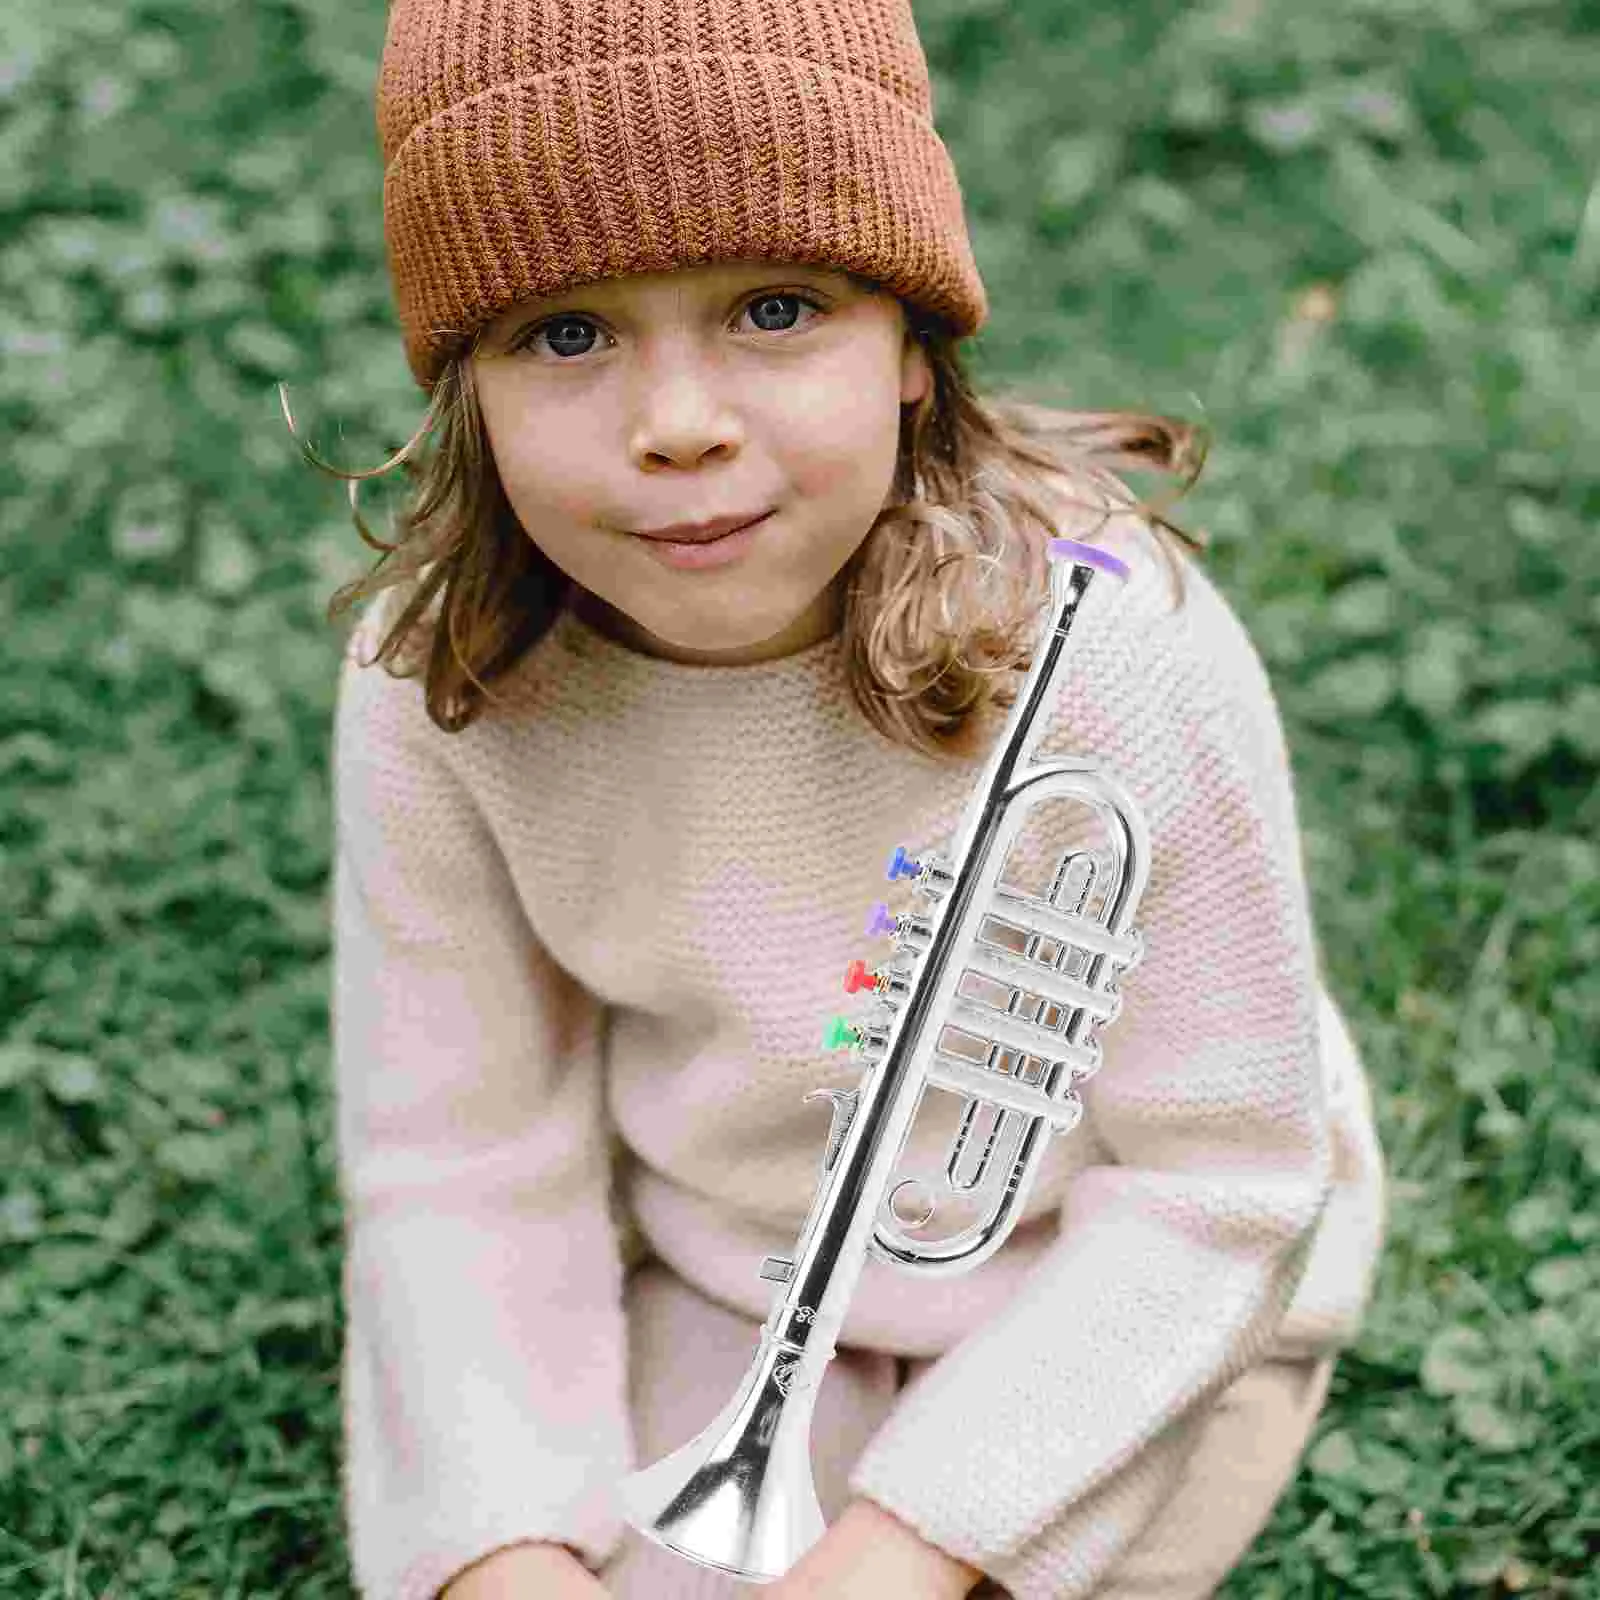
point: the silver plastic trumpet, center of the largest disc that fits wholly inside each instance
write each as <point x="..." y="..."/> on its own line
<point x="740" y="1495"/>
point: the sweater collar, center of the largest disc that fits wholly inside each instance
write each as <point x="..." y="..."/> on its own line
<point x="571" y="634"/>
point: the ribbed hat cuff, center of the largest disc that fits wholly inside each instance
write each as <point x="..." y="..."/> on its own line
<point x="642" y="164"/>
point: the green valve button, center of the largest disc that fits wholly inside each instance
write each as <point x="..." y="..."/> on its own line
<point x="840" y="1035"/>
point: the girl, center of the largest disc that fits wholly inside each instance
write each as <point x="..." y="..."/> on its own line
<point x="614" y="784"/>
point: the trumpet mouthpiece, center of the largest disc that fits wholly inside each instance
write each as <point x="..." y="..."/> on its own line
<point x="1071" y="550"/>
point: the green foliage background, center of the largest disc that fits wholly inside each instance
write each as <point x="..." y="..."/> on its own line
<point x="1363" y="240"/>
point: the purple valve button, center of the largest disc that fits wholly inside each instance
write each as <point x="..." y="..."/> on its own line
<point x="880" y="921"/>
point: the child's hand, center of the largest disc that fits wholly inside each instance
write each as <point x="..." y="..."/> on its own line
<point x="867" y="1554"/>
<point x="540" y="1571"/>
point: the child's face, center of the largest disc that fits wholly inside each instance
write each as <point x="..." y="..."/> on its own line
<point x="692" y="395"/>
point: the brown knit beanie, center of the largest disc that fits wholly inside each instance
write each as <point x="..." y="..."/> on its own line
<point x="532" y="145"/>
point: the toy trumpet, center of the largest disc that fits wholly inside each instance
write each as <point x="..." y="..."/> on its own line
<point x="996" y="996"/>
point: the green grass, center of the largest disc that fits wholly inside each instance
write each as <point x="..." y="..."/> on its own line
<point x="1363" y="241"/>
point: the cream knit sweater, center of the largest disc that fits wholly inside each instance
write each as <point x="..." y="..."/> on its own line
<point x="584" y="955"/>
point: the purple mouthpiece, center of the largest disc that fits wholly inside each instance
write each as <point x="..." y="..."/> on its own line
<point x="1071" y="550"/>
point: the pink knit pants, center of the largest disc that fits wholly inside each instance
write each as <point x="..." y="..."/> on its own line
<point x="688" y="1354"/>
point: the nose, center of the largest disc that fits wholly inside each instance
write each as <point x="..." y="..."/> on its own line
<point x="683" y="415"/>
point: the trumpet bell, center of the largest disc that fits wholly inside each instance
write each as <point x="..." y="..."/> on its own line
<point x="739" y="1496"/>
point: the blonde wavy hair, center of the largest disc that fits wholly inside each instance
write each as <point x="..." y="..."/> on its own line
<point x="942" y="595"/>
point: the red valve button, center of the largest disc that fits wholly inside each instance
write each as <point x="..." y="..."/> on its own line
<point x="858" y="978"/>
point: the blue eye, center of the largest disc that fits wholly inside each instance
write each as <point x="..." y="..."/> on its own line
<point x="775" y="297"/>
<point x="567" y="325"/>
<point x="570" y="334"/>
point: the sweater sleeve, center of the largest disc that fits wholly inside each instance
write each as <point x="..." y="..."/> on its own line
<point x="484" y="1366"/>
<point x="1178" y="1254"/>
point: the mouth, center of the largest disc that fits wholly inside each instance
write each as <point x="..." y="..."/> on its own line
<point x="701" y="532"/>
<point x="715" y="545"/>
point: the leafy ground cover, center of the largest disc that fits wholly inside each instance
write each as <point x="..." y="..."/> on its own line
<point x="1363" y="241"/>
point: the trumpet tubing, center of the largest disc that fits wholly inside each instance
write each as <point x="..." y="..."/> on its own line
<point x="994" y="996"/>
